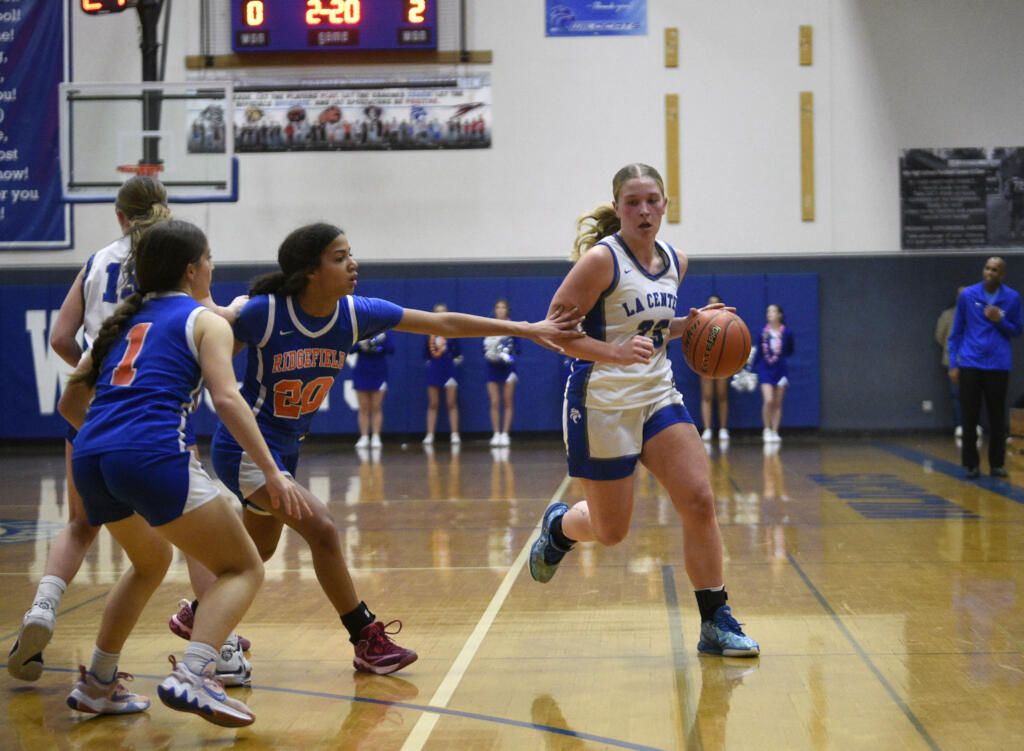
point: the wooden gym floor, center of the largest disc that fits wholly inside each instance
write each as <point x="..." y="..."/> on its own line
<point x="884" y="588"/>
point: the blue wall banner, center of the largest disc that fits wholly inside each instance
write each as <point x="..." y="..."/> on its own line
<point x="33" y="375"/>
<point x="574" y="18"/>
<point x="32" y="64"/>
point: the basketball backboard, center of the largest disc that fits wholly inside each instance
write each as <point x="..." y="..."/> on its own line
<point x="180" y="133"/>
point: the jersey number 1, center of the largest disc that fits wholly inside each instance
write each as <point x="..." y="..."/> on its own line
<point x="124" y="373"/>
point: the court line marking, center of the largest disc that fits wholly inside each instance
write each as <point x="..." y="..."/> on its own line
<point x="992" y="484"/>
<point x="416" y="707"/>
<point x="425" y="725"/>
<point x="864" y="655"/>
<point x="691" y="738"/>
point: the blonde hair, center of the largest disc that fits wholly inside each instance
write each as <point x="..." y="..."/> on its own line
<point x="602" y="220"/>
<point x="143" y="200"/>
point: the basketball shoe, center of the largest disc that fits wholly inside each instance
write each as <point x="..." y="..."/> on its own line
<point x="25" y="661"/>
<point x="181" y="624"/>
<point x="92" y="695"/>
<point x="722" y="635"/>
<point x="202" y="694"/>
<point x="232" y="667"/>
<point x="545" y="555"/>
<point x="376" y="653"/>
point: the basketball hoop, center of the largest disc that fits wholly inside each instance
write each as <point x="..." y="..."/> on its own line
<point x="146" y="170"/>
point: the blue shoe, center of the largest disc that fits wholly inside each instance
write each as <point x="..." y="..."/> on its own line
<point x="722" y="635"/>
<point x="545" y="555"/>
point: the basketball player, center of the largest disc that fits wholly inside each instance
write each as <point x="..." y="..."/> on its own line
<point x="370" y="381"/>
<point x="500" y="352"/>
<point x="442" y="356"/>
<point x="102" y="284"/>
<point x="298" y="324"/>
<point x="137" y="475"/>
<point x="621" y="405"/>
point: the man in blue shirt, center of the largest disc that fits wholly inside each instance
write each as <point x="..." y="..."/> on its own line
<point x="987" y="315"/>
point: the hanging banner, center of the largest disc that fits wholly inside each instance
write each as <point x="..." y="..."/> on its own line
<point x="32" y="64"/>
<point x="573" y="18"/>
<point x="447" y="115"/>
<point x="971" y="197"/>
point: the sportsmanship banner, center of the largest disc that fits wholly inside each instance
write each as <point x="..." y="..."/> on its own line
<point x="573" y="18"/>
<point x="32" y="64"/>
<point x="962" y="198"/>
<point x="449" y="115"/>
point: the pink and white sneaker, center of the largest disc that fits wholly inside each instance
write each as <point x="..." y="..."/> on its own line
<point x="94" y="696"/>
<point x="181" y="624"/>
<point x="202" y="694"/>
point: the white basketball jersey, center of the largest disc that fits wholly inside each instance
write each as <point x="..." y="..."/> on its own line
<point x="103" y="287"/>
<point x="636" y="302"/>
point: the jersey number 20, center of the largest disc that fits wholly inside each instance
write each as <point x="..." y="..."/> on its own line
<point x="292" y="398"/>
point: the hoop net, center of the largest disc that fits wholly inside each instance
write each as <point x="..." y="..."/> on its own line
<point x="146" y="170"/>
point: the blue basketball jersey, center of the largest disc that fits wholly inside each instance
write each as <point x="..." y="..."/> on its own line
<point x="294" y="357"/>
<point x="148" y="381"/>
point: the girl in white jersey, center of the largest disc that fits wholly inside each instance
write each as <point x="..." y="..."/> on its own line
<point x="621" y="404"/>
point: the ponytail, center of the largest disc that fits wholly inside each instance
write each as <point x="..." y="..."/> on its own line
<point x="592" y="226"/>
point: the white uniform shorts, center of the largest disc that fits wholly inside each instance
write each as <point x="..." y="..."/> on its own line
<point x="604" y="444"/>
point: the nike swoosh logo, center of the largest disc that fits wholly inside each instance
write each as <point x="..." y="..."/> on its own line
<point x="626" y="271"/>
<point x="285" y="333"/>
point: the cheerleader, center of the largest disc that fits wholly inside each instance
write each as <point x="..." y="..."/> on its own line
<point x="370" y="379"/>
<point x="773" y="349"/>
<point x="442" y="356"/>
<point x="500" y="353"/>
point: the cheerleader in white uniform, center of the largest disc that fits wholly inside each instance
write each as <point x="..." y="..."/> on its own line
<point x="501" y="352"/>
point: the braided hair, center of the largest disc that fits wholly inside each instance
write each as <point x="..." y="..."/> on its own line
<point x="164" y="253"/>
<point x="298" y="256"/>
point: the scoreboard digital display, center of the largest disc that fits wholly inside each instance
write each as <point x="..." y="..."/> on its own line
<point x="305" y="25"/>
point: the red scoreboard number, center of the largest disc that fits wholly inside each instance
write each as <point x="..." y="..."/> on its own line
<point x="94" y="7"/>
<point x="271" y="25"/>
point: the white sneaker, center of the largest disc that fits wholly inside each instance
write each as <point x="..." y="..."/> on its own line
<point x="233" y="669"/>
<point x="375" y="442"/>
<point x="496" y="439"/>
<point x="429" y="439"/>
<point x="505" y="440"/>
<point x="363" y="442"/>
<point x="959" y="432"/>
<point x="776" y="438"/>
<point x="766" y="435"/>
<point x="456" y="440"/>
<point x="706" y="435"/>
<point x="26" y="659"/>
<point x="94" y="696"/>
<point x="202" y="694"/>
<point x="723" y="435"/>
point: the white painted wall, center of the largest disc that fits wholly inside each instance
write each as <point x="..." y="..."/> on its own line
<point x="567" y="113"/>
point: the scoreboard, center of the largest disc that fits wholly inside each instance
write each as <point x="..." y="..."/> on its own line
<point x="308" y="25"/>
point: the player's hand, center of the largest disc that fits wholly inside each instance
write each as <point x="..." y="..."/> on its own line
<point x="954" y="375"/>
<point x="638" y="349"/>
<point x="231" y="312"/>
<point x="286" y="494"/>
<point x="993" y="313"/>
<point x="561" y="325"/>
<point x="712" y="306"/>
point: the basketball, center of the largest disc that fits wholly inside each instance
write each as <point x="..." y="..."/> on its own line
<point x="716" y="344"/>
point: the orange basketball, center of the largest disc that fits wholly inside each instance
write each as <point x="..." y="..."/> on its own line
<point x="716" y="343"/>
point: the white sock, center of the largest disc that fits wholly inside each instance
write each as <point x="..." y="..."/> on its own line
<point x="104" y="664"/>
<point x="51" y="588"/>
<point x="198" y="655"/>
